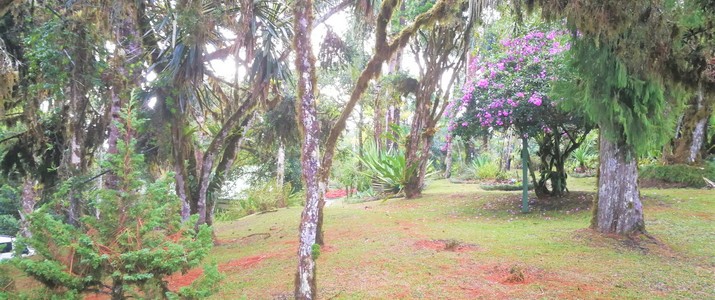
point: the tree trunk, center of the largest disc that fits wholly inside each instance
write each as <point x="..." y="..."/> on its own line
<point x="360" y="128"/>
<point x="240" y="116"/>
<point x="506" y="156"/>
<point x="181" y="175"/>
<point x="383" y="50"/>
<point x="393" y="111"/>
<point x="73" y="162"/>
<point x="117" y="289"/>
<point x="691" y="136"/>
<point x="395" y="121"/>
<point x="448" y="160"/>
<point x="412" y="149"/>
<point x="618" y="208"/>
<point x="319" y="236"/>
<point x="378" y="127"/>
<point x="524" y="173"/>
<point x="28" y="205"/>
<point x="126" y="72"/>
<point x="280" y="165"/>
<point x="424" y="159"/>
<point x="305" y="281"/>
<point x="232" y="147"/>
<point x="470" y="151"/>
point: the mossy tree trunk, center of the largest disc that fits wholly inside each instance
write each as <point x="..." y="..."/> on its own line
<point x="448" y="160"/>
<point x="127" y="71"/>
<point x="618" y="208"/>
<point x="305" y="279"/>
<point x="74" y="160"/>
<point x="28" y="202"/>
<point x="280" y="165"/>
<point x="689" y="145"/>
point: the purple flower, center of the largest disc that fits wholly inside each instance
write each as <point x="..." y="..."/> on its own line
<point x="483" y="83"/>
<point x="535" y="99"/>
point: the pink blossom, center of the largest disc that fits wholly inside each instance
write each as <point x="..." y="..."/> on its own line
<point x="535" y="99"/>
<point x="483" y="83"/>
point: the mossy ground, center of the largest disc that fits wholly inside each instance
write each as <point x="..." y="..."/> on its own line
<point x="460" y="242"/>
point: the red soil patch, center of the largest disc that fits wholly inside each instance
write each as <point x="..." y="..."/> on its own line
<point x="290" y="242"/>
<point x="511" y="275"/>
<point x="243" y="263"/>
<point x="445" y="245"/>
<point x="178" y="280"/>
<point x="327" y="249"/>
<point x="705" y="216"/>
<point x="97" y="297"/>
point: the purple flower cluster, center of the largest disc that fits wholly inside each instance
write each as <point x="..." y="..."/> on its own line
<point x="508" y="84"/>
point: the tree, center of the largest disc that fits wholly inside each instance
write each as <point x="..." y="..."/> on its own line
<point x="311" y="233"/>
<point x="207" y="114"/>
<point x="622" y="91"/>
<point x="508" y="87"/>
<point x="693" y="65"/>
<point x="384" y="49"/>
<point x="440" y="49"/>
<point x="138" y="240"/>
<point x="305" y="286"/>
<point x="53" y="112"/>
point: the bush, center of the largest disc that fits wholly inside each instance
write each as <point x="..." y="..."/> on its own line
<point x="691" y="176"/>
<point x="488" y="171"/>
<point x="138" y="240"/>
<point x="261" y="198"/>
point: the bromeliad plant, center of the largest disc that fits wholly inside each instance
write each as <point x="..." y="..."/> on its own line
<point x="389" y="170"/>
<point x="128" y="239"/>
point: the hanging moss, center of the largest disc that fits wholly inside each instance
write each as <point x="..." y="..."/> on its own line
<point x="616" y="98"/>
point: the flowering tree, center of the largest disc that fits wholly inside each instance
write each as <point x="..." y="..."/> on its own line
<point x="508" y="86"/>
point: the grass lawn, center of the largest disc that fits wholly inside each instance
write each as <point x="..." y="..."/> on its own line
<point x="459" y="242"/>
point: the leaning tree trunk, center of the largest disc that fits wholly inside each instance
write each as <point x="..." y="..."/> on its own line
<point x="383" y="50"/>
<point x="618" y="205"/>
<point x="305" y="283"/>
